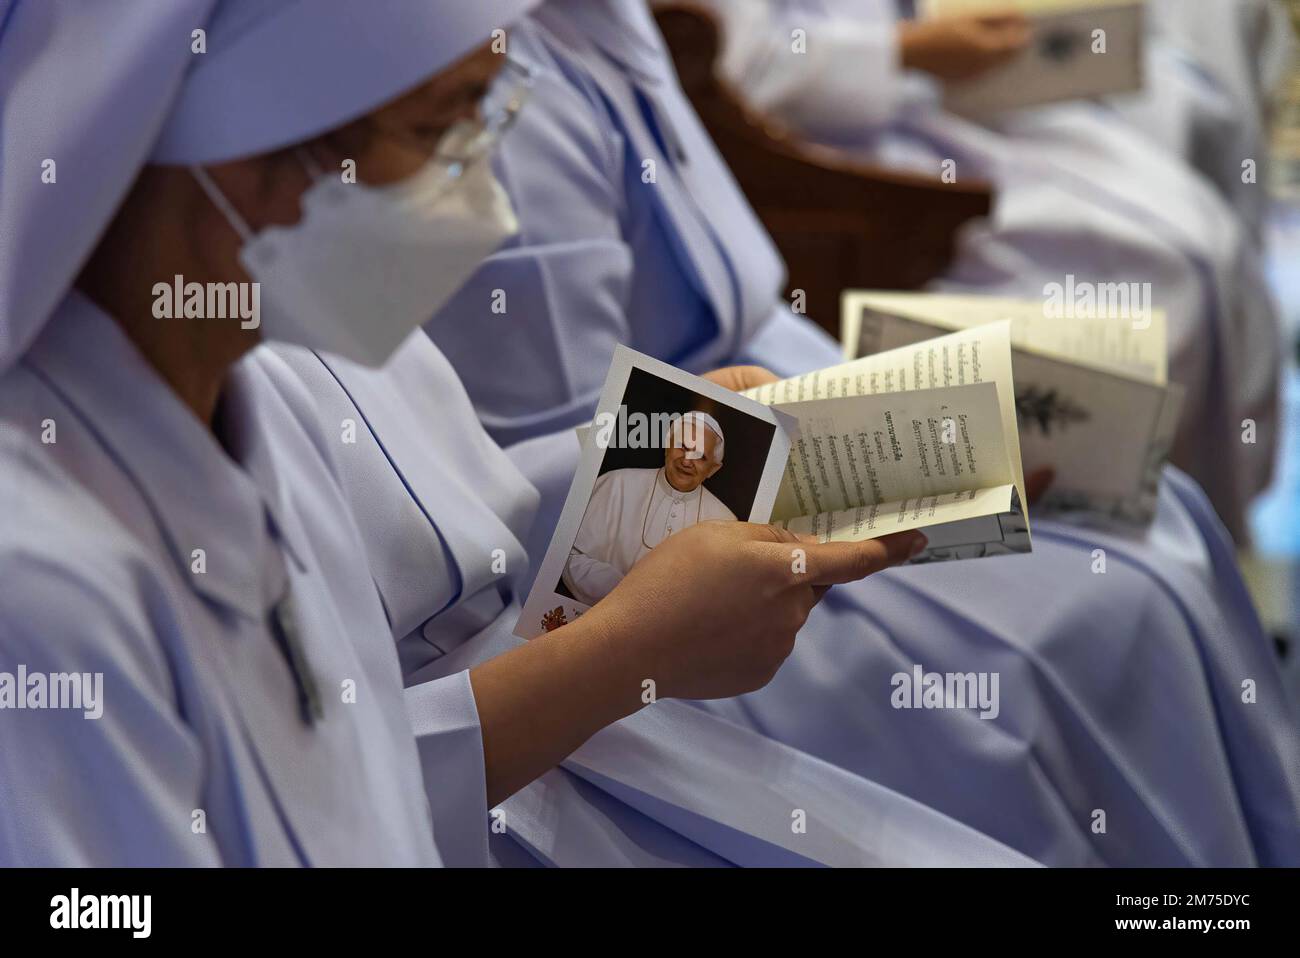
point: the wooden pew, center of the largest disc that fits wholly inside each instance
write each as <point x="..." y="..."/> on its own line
<point x="837" y="222"/>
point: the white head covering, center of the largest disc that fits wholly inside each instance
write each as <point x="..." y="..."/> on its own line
<point x="701" y="420"/>
<point x="101" y="87"/>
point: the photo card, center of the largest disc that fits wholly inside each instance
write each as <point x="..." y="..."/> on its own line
<point x="664" y="451"/>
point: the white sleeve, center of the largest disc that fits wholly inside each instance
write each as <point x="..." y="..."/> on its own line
<point x="587" y="575"/>
<point x="590" y="580"/>
<point x="449" y="738"/>
<point x="827" y="76"/>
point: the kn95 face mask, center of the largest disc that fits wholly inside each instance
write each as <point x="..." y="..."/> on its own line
<point x="366" y="265"/>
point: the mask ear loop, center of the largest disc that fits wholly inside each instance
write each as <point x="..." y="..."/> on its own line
<point x="219" y="200"/>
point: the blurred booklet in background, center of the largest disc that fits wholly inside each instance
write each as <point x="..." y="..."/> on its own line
<point x="1091" y="395"/>
<point x="919" y="437"/>
<point x="1080" y="48"/>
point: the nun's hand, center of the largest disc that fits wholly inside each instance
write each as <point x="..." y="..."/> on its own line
<point x="713" y="610"/>
<point x="961" y="47"/>
<point x="740" y="378"/>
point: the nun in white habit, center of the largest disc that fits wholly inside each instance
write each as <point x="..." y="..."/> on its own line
<point x="1214" y="69"/>
<point x="1080" y="197"/>
<point x="174" y="527"/>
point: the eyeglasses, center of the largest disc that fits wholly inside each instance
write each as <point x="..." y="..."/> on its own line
<point x="470" y="141"/>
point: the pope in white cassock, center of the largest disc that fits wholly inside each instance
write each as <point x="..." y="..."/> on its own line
<point x="633" y="510"/>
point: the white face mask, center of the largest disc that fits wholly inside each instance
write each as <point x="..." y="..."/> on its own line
<point x="365" y="266"/>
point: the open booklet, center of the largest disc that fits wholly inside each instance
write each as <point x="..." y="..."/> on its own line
<point x="922" y="437"/>
<point x="1080" y="48"/>
<point x="1092" y="397"/>
<point x="919" y="437"/>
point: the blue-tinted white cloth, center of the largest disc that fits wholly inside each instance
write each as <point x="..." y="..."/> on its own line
<point x="1213" y="68"/>
<point x="1121" y="691"/>
<point x="278" y="73"/>
<point x="135" y="546"/>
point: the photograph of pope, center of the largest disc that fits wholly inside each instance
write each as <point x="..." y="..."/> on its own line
<point x="633" y="510"/>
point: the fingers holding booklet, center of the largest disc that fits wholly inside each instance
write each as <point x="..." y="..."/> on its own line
<point x="919" y="437"/>
<point x="713" y="611"/>
<point x="871" y="460"/>
<point x="666" y="452"/>
<point x="669" y="458"/>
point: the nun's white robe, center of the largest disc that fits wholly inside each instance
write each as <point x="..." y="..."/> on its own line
<point x="1213" y="71"/>
<point x="133" y="545"/>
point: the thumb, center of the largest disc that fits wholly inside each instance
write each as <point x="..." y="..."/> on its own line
<point x="831" y="563"/>
<point x="1009" y="20"/>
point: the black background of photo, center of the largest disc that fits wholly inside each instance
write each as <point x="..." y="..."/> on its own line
<point x="748" y="440"/>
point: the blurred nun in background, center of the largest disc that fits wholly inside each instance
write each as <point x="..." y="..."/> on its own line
<point x="1214" y="69"/>
<point x="1080" y="196"/>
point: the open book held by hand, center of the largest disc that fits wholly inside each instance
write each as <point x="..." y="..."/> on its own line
<point x="1079" y="49"/>
<point x="919" y="437"/>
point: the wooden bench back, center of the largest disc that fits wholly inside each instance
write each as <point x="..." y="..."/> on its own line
<point x="839" y="224"/>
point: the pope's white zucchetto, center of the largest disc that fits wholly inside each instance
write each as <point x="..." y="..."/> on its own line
<point x="699" y="421"/>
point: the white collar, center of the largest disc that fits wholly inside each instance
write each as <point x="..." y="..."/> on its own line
<point x="668" y="489"/>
